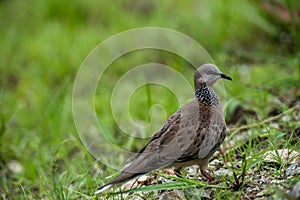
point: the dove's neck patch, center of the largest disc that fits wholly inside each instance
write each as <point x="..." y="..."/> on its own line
<point x="207" y="96"/>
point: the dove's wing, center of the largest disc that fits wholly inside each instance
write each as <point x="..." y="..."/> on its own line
<point x="144" y="162"/>
<point x="160" y="151"/>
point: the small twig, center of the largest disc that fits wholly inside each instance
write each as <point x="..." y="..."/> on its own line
<point x="245" y="127"/>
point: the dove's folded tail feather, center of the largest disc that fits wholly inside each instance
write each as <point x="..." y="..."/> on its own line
<point x="103" y="188"/>
<point x="121" y="178"/>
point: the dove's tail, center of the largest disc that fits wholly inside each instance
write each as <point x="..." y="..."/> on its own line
<point x="103" y="188"/>
<point x="120" y="179"/>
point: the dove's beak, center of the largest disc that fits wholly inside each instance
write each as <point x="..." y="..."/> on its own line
<point x="226" y="77"/>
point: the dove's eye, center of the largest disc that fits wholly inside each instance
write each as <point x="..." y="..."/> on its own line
<point x="208" y="72"/>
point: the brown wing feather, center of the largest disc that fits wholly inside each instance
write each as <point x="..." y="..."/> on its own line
<point x="164" y="134"/>
<point x="171" y="142"/>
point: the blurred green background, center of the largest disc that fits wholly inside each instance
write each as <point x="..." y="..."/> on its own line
<point x="43" y="43"/>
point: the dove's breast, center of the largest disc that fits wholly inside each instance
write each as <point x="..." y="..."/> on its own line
<point x="203" y="133"/>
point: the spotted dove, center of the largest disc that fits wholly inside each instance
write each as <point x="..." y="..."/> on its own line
<point x="190" y="136"/>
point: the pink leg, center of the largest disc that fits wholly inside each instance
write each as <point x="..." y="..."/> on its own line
<point x="207" y="175"/>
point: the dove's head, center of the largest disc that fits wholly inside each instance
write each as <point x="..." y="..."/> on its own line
<point x="208" y="74"/>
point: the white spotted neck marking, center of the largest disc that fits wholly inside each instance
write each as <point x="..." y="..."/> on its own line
<point x="207" y="96"/>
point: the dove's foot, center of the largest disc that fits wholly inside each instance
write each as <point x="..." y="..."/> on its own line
<point x="207" y="175"/>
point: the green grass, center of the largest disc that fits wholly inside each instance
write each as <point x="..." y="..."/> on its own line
<point x="43" y="44"/>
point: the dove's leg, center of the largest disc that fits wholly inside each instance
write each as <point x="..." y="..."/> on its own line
<point x="207" y="175"/>
<point x="203" y="167"/>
